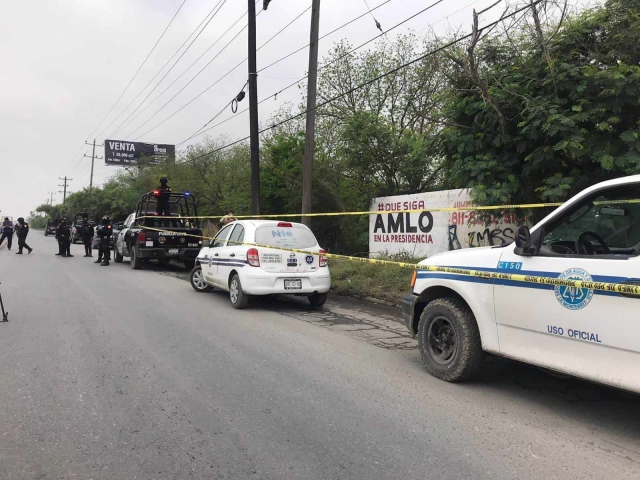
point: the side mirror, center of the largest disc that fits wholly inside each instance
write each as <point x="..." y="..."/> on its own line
<point x="523" y="242"/>
<point x="206" y="244"/>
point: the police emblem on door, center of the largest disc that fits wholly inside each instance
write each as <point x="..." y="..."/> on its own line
<point x="574" y="298"/>
<point x="162" y="240"/>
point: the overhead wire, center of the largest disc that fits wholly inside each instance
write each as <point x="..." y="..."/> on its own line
<point x="212" y="13"/>
<point x="264" y="68"/>
<point x="373" y="80"/>
<point x="219" y="79"/>
<point x="323" y="65"/>
<point x="187" y="69"/>
<point x="139" y="68"/>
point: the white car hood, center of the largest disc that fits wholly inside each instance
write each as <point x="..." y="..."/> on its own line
<point x="467" y="257"/>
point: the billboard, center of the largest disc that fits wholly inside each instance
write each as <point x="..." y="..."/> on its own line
<point x="121" y="153"/>
<point x="425" y="233"/>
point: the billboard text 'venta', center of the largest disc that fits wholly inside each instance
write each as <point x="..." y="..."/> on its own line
<point x="118" y="152"/>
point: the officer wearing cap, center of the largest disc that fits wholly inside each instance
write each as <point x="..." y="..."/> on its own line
<point x="63" y="234"/>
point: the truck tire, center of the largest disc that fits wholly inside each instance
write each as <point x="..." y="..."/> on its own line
<point x="197" y="280"/>
<point x="117" y="257"/>
<point x="239" y="299"/>
<point x="317" y="299"/>
<point x="449" y="340"/>
<point x="136" y="261"/>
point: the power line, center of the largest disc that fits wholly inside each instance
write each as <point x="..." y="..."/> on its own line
<point x="260" y="70"/>
<point x="221" y="3"/>
<point x="189" y="82"/>
<point x="216" y="82"/>
<point x="139" y="68"/>
<point x="373" y="80"/>
<point x="186" y="70"/>
<point x="323" y="66"/>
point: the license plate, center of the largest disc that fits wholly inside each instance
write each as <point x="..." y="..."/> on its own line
<point x="293" y="284"/>
<point x="173" y="251"/>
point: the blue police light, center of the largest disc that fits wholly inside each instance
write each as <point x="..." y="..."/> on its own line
<point x="186" y="194"/>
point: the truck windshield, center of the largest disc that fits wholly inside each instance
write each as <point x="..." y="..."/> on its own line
<point x="606" y="223"/>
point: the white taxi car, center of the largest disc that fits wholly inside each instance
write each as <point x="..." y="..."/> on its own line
<point x="593" y="334"/>
<point x="228" y="263"/>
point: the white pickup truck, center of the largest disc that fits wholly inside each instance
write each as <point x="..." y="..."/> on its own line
<point x="592" y="334"/>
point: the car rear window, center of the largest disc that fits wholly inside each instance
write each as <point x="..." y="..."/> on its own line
<point x="291" y="237"/>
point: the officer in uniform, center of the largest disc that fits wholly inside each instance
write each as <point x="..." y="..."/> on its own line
<point x="163" y="208"/>
<point x="22" y="229"/>
<point x="63" y="234"/>
<point x="105" y="230"/>
<point x="87" y="237"/>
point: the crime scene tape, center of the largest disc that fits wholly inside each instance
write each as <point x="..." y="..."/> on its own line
<point x="378" y="212"/>
<point x="514" y="277"/>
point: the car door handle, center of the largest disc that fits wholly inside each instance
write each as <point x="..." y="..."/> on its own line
<point x="232" y="255"/>
<point x="630" y="282"/>
<point x="216" y="255"/>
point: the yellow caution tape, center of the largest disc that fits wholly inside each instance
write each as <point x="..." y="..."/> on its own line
<point x="514" y="277"/>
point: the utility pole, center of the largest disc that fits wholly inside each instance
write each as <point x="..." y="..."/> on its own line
<point x="253" y="112"/>
<point x="309" y="141"/>
<point x="64" y="192"/>
<point x="92" y="157"/>
<point x="51" y="194"/>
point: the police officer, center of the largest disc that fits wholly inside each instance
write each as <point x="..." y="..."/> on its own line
<point x="22" y="230"/>
<point x="87" y="237"/>
<point x="105" y="230"/>
<point x="162" y="207"/>
<point x="7" y="232"/>
<point x="63" y="234"/>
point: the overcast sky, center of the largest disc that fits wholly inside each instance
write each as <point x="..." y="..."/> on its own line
<point x="65" y="62"/>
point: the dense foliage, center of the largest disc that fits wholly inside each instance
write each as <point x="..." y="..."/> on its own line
<point x="532" y="111"/>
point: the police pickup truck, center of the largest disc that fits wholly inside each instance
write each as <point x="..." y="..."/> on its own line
<point x="144" y="237"/>
<point x="590" y="333"/>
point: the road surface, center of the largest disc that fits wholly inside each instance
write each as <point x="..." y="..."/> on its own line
<point x="110" y="373"/>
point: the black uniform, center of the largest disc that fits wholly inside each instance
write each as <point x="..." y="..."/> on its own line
<point x="87" y="238"/>
<point x="163" y="208"/>
<point x="7" y="232"/>
<point x="63" y="235"/>
<point x="22" y="230"/>
<point x="105" y="230"/>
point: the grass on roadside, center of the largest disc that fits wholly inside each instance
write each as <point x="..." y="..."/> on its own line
<point x="367" y="280"/>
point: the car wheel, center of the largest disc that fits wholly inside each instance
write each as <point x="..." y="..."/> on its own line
<point x="449" y="340"/>
<point x="136" y="262"/>
<point x="239" y="299"/>
<point x="317" y="299"/>
<point x="197" y="280"/>
<point x="117" y="256"/>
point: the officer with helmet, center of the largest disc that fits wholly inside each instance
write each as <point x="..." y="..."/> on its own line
<point x="163" y="207"/>
<point x="104" y="231"/>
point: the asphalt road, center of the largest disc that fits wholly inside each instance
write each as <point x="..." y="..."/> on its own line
<point x="110" y="373"/>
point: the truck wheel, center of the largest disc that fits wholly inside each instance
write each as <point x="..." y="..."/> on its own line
<point x="197" y="280"/>
<point x="117" y="256"/>
<point x="317" y="299"/>
<point x="449" y="340"/>
<point x="189" y="264"/>
<point x="239" y="299"/>
<point x="136" y="261"/>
